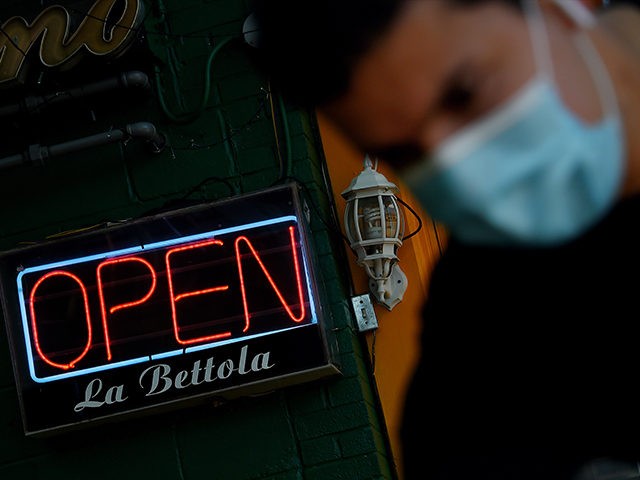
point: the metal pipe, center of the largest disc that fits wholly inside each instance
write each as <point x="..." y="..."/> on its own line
<point x="148" y="132"/>
<point x="36" y="154"/>
<point x="35" y="103"/>
<point x="75" y="145"/>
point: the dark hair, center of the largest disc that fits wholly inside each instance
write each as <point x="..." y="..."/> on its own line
<point x="308" y="47"/>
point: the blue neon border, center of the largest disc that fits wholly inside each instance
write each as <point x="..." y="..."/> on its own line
<point x="154" y="246"/>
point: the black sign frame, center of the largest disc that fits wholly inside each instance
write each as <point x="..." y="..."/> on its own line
<point x="86" y="386"/>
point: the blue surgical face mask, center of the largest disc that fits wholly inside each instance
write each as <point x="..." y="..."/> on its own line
<point x="532" y="172"/>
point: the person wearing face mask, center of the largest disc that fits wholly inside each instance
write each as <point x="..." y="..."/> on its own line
<point x="514" y="123"/>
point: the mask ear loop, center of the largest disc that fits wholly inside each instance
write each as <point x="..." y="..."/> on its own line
<point x="577" y="12"/>
<point x="586" y="20"/>
<point x="539" y="39"/>
<point x="583" y="19"/>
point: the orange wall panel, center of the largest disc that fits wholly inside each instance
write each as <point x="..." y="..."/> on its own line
<point x="394" y="346"/>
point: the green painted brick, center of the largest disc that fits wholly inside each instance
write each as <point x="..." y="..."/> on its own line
<point x="310" y="130"/>
<point x="301" y="173"/>
<point x="65" y="199"/>
<point x="352" y="365"/>
<point x="302" y="399"/>
<point x="297" y="122"/>
<point x="14" y="445"/>
<point x="20" y="471"/>
<point x="319" y="450"/>
<point x="324" y="245"/>
<point x="302" y="151"/>
<point x="329" y="305"/>
<point x="172" y="6"/>
<point x="6" y="370"/>
<point x="251" y="109"/>
<point x="344" y="339"/>
<point x="240" y="439"/>
<point x="258" y="159"/>
<point x="258" y="156"/>
<point x="344" y="317"/>
<point x="129" y="449"/>
<point x="258" y="180"/>
<point x="195" y="140"/>
<point x="314" y="196"/>
<point x="361" y="441"/>
<point x="251" y="137"/>
<point x="334" y="420"/>
<point x="176" y="181"/>
<point x="365" y="467"/>
<point x="204" y="17"/>
<point x="240" y="87"/>
<point x="236" y="62"/>
<point x="349" y="390"/>
<point x="330" y="275"/>
<point x="333" y="289"/>
<point x="288" y="475"/>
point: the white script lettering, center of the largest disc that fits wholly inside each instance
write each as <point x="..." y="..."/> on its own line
<point x="158" y="378"/>
<point x="113" y="395"/>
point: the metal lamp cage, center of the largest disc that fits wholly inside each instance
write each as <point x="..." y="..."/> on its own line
<point x="373" y="222"/>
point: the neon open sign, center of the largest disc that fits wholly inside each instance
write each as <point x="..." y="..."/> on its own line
<point x="153" y="301"/>
<point x="172" y="307"/>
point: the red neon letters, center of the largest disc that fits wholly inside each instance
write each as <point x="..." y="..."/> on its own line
<point x="122" y="305"/>
<point x="247" y="315"/>
<point x="175" y="298"/>
<point x="176" y="290"/>
<point x="34" y="325"/>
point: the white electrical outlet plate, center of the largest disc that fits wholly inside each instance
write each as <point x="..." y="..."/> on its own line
<point x="365" y="315"/>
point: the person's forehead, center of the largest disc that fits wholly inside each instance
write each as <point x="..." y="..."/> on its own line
<point x="401" y="79"/>
<point x="388" y="84"/>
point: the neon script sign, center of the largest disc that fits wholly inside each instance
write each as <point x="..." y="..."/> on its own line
<point x="92" y="313"/>
<point x="101" y="32"/>
<point x="213" y="299"/>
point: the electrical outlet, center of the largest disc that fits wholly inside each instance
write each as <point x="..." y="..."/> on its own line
<point x="365" y="314"/>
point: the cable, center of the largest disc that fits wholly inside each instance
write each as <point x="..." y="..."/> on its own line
<point x="232" y="189"/>
<point x="331" y="228"/>
<point x="415" y="214"/>
<point x="286" y="166"/>
<point x="254" y="118"/>
<point x="189" y="117"/>
<point x="275" y="132"/>
<point x="373" y="354"/>
<point x="435" y="229"/>
<point x="287" y="135"/>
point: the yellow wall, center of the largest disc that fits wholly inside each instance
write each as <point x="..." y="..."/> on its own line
<point x="395" y="342"/>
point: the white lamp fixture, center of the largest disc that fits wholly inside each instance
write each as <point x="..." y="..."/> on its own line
<point x="374" y="225"/>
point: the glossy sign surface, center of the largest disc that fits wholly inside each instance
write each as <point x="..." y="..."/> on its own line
<point x="142" y="312"/>
<point x="142" y="303"/>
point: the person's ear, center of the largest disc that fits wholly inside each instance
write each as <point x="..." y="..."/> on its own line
<point x="573" y="13"/>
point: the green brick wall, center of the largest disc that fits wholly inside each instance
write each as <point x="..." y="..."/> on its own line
<point x="241" y="141"/>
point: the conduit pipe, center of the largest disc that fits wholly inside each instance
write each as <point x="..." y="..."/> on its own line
<point x="36" y="154"/>
<point x="34" y="103"/>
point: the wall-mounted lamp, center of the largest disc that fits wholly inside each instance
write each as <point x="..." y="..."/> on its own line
<point x="374" y="226"/>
